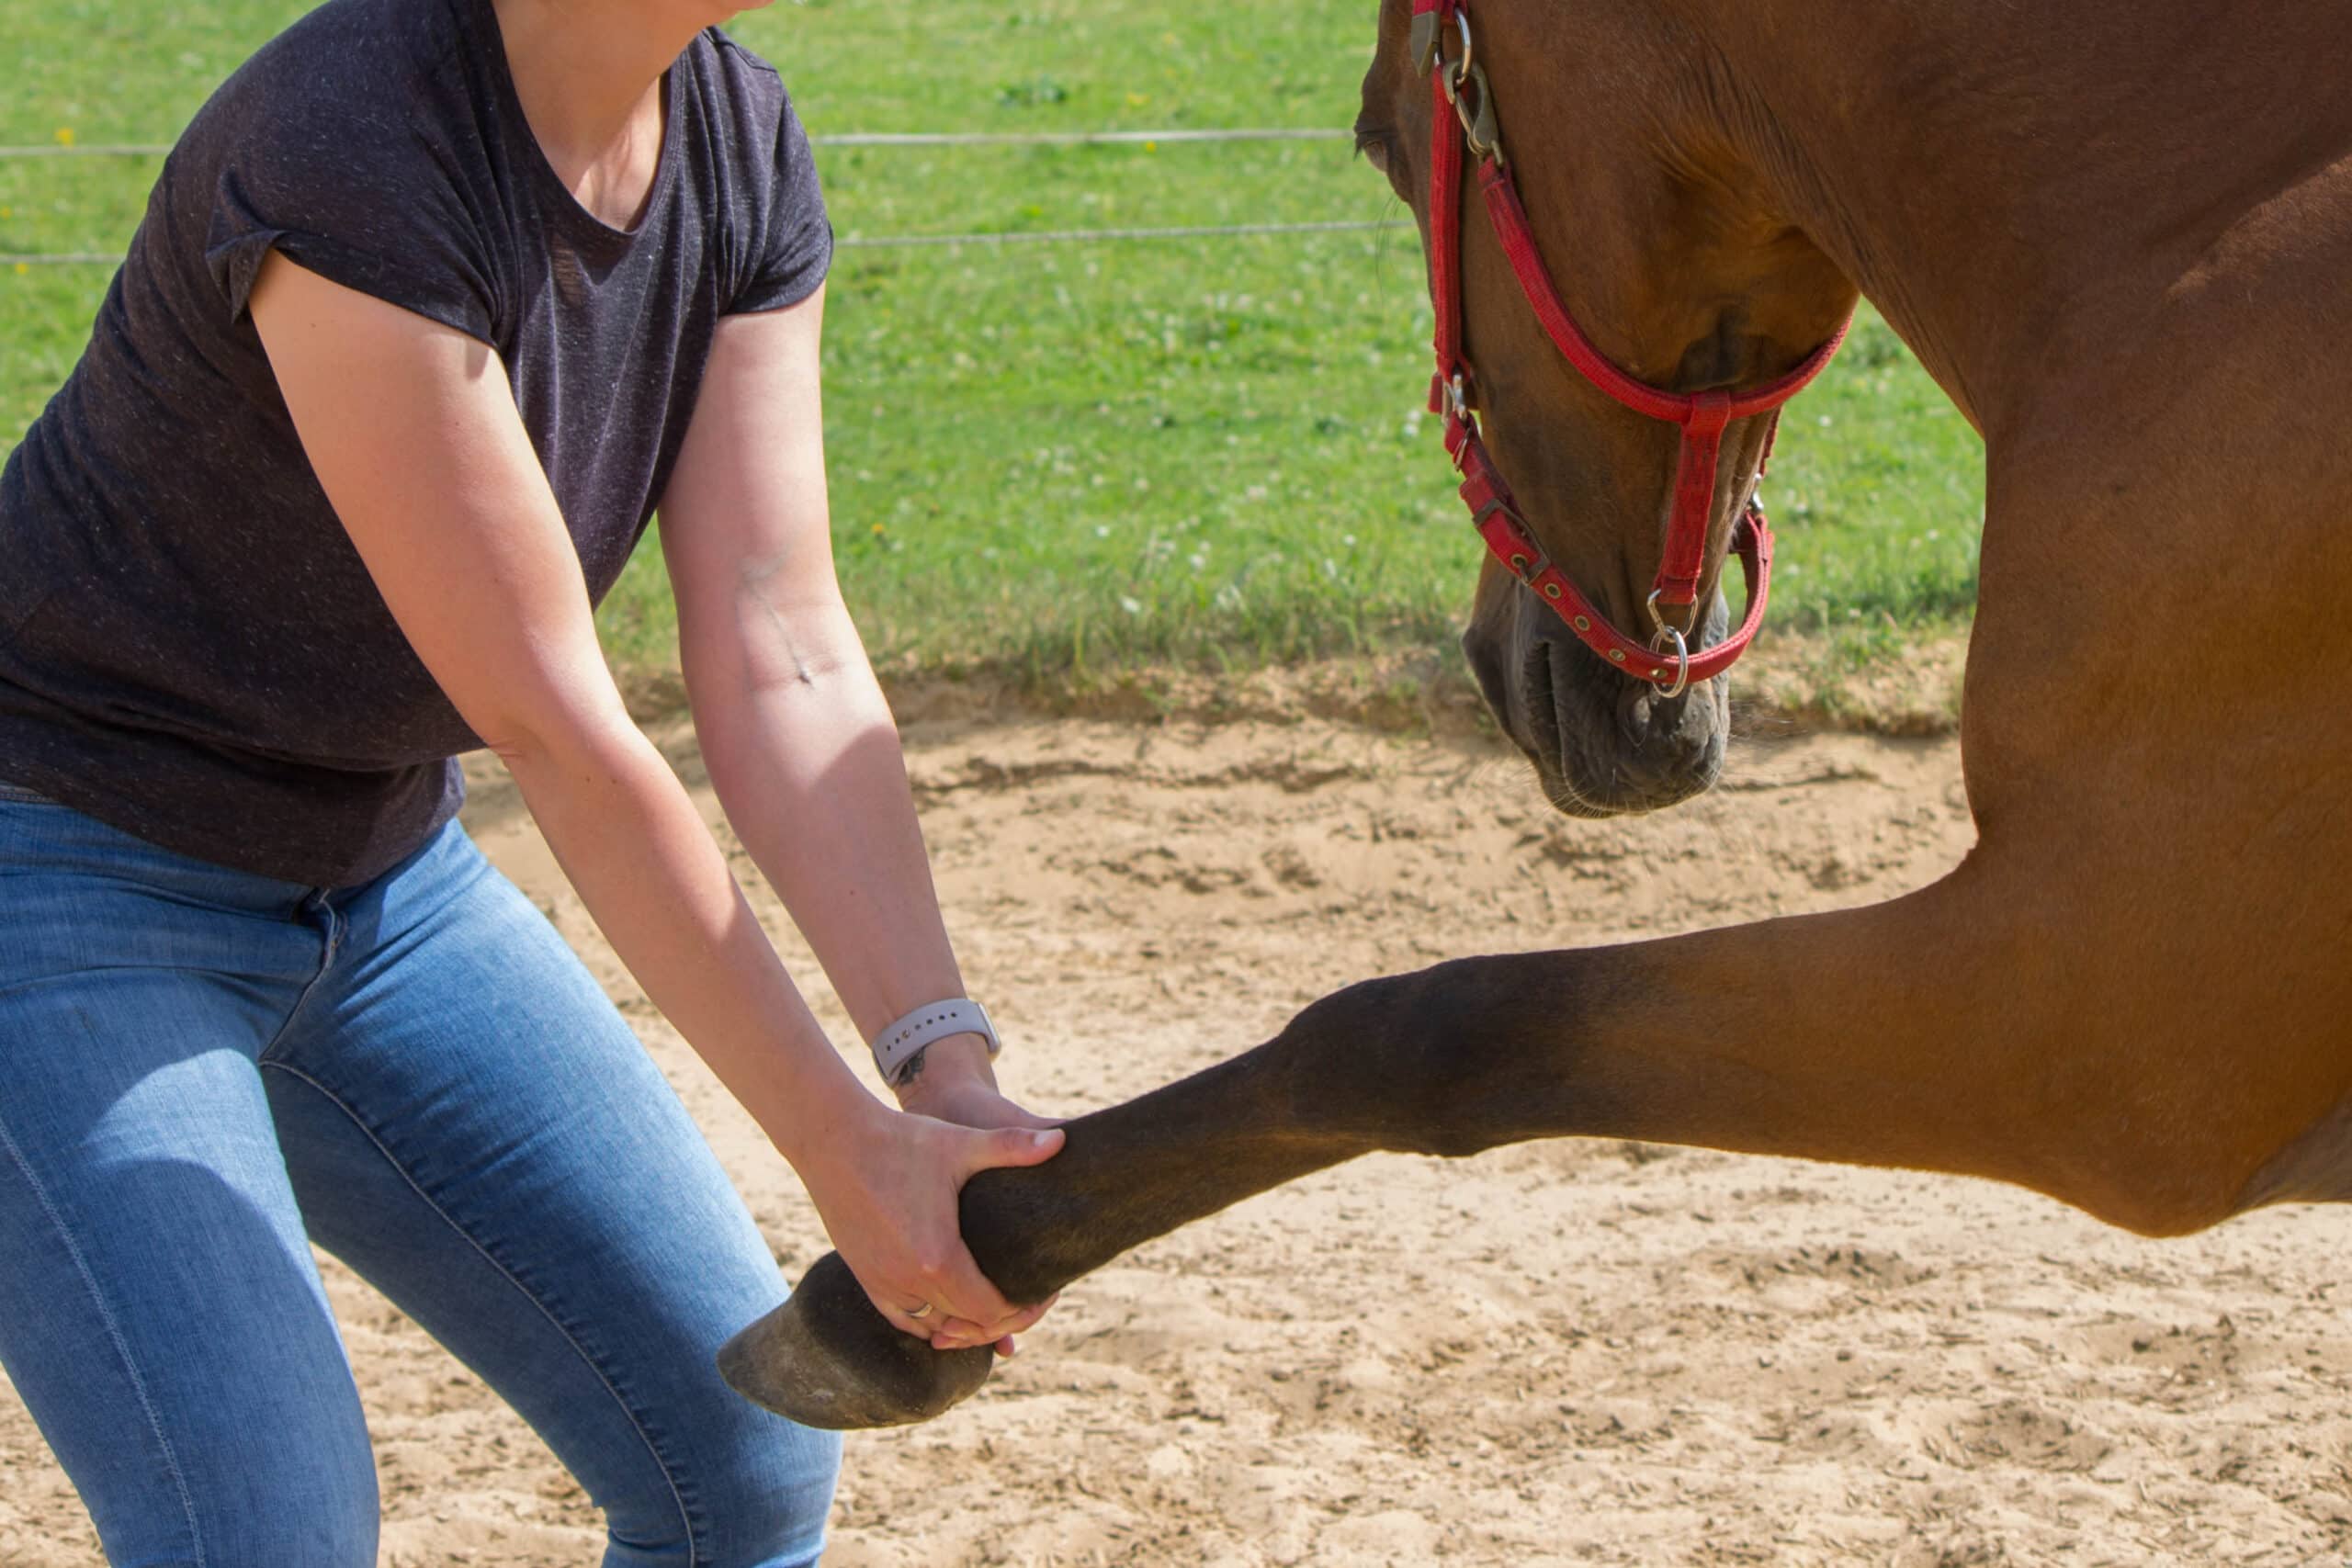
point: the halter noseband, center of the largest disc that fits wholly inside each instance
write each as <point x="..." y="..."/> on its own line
<point x="1461" y="98"/>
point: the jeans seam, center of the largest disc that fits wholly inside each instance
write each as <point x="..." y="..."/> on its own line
<point x="685" y="1516"/>
<point x="114" y="1336"/>
<point x="286" y="1027"/>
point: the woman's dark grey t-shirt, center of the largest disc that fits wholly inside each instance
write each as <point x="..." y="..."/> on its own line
<point x="191" y="649"/>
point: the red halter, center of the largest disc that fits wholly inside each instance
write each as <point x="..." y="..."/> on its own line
<point x="1461" y="96"/>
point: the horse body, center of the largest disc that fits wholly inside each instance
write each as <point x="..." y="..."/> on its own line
<point x="2117" y="235"/>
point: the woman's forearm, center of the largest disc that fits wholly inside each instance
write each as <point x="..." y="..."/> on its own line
<point x="638" y="854"/>
<point x="884" y="1184"/>
<point x="806" y="761"/>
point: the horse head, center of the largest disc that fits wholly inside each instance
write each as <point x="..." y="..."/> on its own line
<point x="1645" y="173"/>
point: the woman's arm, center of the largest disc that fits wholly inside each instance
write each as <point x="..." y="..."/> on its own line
<point x="413" y="433"/>
<point x="794" y="727"/>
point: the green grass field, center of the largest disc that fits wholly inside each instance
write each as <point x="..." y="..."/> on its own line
<point x="1066" y="461"/>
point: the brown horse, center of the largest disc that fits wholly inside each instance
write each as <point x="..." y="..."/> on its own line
<point x="2117" y="235"/>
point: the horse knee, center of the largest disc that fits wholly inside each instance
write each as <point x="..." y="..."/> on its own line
<point x="2153" y="1129"/>
<point x="2149" y="1157"/>
<point x="2159" y="1208"/>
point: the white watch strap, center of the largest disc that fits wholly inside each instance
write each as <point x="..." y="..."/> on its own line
<point x="897" y="1044"/>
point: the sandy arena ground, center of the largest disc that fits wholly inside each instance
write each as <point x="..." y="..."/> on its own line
<point x="1573" y="1352"/>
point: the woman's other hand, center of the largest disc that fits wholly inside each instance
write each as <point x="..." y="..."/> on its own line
<point x="886" y="1187"/>
<point x="952" y="1079"/>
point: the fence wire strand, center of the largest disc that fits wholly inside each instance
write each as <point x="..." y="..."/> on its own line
<point x="838" y="139"/>
<point x="1089" y="236"/>
<point x="880" y="138"/>
<point x="907" y="241"/>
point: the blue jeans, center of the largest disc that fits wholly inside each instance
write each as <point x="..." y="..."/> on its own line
<point x="202" y="1072"/>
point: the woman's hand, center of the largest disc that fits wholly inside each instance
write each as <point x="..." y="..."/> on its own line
<point x="886" y="1187"/>
<point x="951" y="1081"/>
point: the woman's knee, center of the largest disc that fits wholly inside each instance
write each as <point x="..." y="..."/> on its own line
<point x="777" y="1497"/>
<point x="275" y="1497"/>
<point x="325" y="1523"/>
<point x="759" y="1500"/>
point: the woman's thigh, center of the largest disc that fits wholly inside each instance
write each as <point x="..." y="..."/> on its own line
<point x="159" y="1311"/>
<point x="472" y="1127"/>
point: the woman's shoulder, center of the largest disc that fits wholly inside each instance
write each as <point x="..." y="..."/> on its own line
<point x="357" y="141"/>
<point x="771" y="211"/>
<point x="349" y="66"/>
<point x="743" y="66"/>
<point x="746" y="93"/>
<point x="356" y="96"/>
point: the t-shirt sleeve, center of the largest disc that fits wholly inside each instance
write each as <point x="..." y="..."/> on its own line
<point x="796" y="247"/>
<point x="376" y="213"/>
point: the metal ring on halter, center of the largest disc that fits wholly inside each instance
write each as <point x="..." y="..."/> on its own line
<point x="1683" y="660"/>
<point x="1682" y="648"/>
<point x="1479" y="130"/>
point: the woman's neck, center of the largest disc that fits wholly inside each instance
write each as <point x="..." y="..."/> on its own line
<point x="589" y="76"/>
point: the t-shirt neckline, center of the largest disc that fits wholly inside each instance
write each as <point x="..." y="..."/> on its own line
<point x="484" y="20"/>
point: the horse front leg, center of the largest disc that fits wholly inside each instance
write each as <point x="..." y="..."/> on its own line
<point x="827" y="1358"/>
<point x="1943" y="1031"/>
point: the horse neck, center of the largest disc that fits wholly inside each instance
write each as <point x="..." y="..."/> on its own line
<point x="1996" y="179"/>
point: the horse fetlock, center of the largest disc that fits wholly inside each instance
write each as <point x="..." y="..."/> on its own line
<point x="1398" y="1062"/>
<point x="1025" y="1227"/>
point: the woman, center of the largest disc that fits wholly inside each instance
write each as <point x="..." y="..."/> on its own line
<point x="434" y="302"/>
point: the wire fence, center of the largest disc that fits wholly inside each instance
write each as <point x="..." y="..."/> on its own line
<point x="26" y="261"/>
<point x="1095" y="236"/>
<point x="904" y="241"/>
<point x="1177" y="136"/>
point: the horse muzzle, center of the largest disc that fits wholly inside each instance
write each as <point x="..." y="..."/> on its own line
<point x="1603" y="743"/>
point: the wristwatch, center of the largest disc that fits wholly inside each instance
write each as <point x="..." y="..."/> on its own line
<point x="900" y="1043"/>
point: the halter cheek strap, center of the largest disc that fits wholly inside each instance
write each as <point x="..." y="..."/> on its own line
<point x="1462" y="111"/>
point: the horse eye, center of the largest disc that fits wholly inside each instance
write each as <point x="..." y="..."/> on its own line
<point x="1372" y="145"/>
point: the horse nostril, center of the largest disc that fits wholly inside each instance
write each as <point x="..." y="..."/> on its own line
<point x="1637" y="711"/>
<point x="1486" y="664"/>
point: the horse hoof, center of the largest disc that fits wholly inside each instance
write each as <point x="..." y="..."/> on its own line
<point x="827" y="1358"/>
